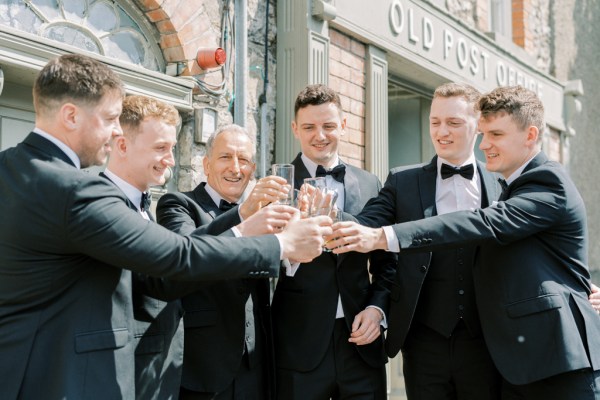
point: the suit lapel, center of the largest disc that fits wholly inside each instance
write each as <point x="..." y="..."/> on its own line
<point x="490" y="190"/>
<point x="40" y="142"/>
<point x="351" y="192"/>
<point x="300" y="172"/>
<point x="201" y="196"/>
<point x="127" y="201"/>
<point x="427" y="182"/>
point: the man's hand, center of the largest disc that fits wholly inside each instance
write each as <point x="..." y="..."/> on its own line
<point x="267" y="190"/>
<point x="366" y="327"/>
<point x="267" y="220"/>
<point x="595" y="298"/>
<point x="302" y="239"/>
<point x="350" y="236"/>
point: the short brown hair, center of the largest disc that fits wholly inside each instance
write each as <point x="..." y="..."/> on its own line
<point x="136" y="108"/>
<point x="73" y="78"/>
<point x="315" y="95"/>
<point x="522" y="104"/>
<point x="453" y="89"/>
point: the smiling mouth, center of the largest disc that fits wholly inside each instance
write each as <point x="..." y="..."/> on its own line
<point x="445" y="142"/>
<point x="320" y="145"/>
<point x="233" y="179"/>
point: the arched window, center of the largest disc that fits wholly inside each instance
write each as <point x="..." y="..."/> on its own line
<point x="99" y="26"/>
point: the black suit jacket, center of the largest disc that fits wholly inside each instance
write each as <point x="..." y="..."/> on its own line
<point x="158" y="339"/>
<point x="215" y="315"/>
<point x="304" y="306"/>
<point x="66" y="238"/>
<point x="531" y="275"/>
<point x="409" y="195"/>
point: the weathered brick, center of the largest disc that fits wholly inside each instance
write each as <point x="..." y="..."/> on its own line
<point x="165" y="27"/>
<point x="148" y="5"/>
<point x="172" y="40"/>
<point x="358" y="48"/>
<point x="339" y="39"/>
<point x="340" y="70"/>
<point x="174" y="54"/>
<point x="156" y="15"/>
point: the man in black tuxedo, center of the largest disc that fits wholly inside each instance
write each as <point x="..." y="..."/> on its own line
<point x="433" y="315"/>
<point x="66" y="236"/>
<point x="531" y="276"/>
<point x="139" y="159"/>
<point x="327" y="314"/>
<point x="228" y="347"/>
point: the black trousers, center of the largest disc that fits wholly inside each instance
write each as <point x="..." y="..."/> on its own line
<point x="342" y="375"/>
<point x="248" y="384"/>
<point x="454" y="368"/>
<point x="577" y="385"/>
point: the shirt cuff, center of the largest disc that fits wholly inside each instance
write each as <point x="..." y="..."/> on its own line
<point x="290" y="267"/>
<point x="383" y="322"/>
<point x="392" y="239"/>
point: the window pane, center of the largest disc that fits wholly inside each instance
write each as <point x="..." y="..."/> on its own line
<point x="15" y="14"/>
<point x="49" y="9"/>
<point x="102" y="17"/>
<point x="69" y="35"/>
<point x="74" y="9"/>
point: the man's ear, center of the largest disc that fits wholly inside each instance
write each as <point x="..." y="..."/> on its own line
<point x="70" y="116"/>
<point x="295" y="129"/>
<point x="533" y="134"/>
<point x="119" y="144"/>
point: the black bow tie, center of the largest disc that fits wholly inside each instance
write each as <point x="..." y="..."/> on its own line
<point x="338" y="172"/>
<point x="466" y="171"/>
<point x="145" y="201"/>
<point x="224" y="205"/>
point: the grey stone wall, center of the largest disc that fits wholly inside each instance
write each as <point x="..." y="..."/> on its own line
<point x="576" y="55"/>
<point x="189" y="170"/>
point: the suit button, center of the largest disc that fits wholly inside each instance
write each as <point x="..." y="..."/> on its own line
<point x="460" y="277"/>
<point x="461" y="292"/>
<point x="423" y="268"/>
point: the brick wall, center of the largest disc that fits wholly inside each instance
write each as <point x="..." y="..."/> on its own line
<point x="347" y="77"/>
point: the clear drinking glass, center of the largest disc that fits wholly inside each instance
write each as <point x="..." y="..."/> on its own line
<point x="285" y="171"/>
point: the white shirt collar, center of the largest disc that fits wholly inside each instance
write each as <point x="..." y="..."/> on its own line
<point x="216" y="197"/>
<point x="132" y="193"/>
<point x="311" y="166"/>
<point x="65" y="149"/>
<point x="519" y="170"/>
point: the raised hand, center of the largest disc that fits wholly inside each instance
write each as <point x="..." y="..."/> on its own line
<point x="266" y="191"/>
<point x="302" y="239"/>
<point x="267" y="220"/>
<point x="350" y="236"/>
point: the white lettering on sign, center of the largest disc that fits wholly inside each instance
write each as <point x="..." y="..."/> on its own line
<point x="458" y="52"/>
<point x="428" y="35"/>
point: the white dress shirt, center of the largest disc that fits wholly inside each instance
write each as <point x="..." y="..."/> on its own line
<point x="452" y="194"/>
